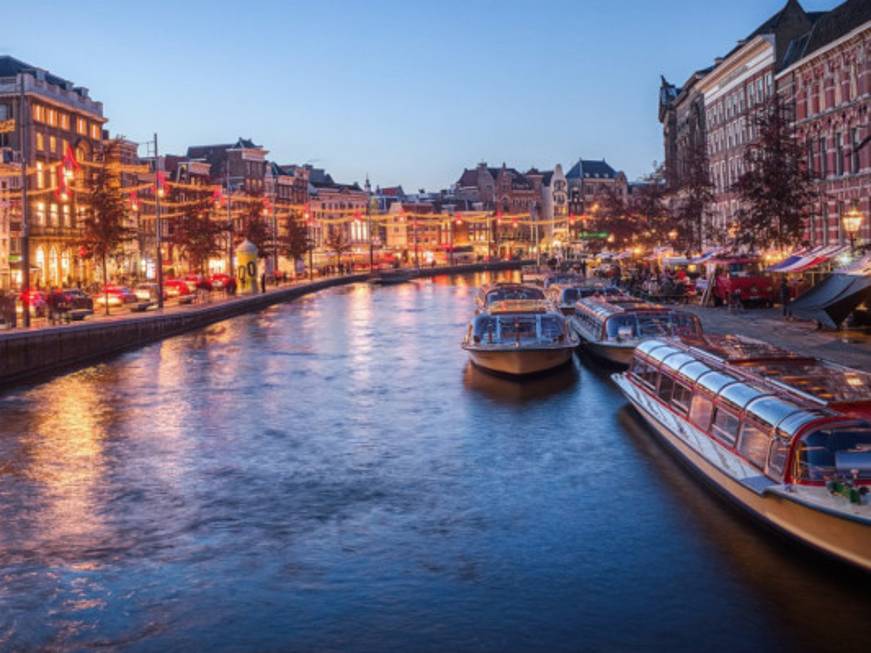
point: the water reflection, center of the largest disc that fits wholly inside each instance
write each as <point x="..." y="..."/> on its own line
<point x="513" y="391"/>
<point x="332" y="474"/>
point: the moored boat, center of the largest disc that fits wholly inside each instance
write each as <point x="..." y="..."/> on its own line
<point x="565" y="296"/>
<point x="390" y="277"/>
<point x="611" y="327"/>
<point x="786" y="437"/>
<point x="507" y="291"/>
<point x="519" y="337"/>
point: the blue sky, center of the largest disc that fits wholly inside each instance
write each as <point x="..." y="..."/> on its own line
<point x="408" y="92"/>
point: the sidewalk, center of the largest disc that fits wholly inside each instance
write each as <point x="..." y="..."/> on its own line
<point x="846" y="347"/>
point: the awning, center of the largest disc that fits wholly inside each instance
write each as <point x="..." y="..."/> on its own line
<point x="707" y="256"/>
<point x="811" y="259"/>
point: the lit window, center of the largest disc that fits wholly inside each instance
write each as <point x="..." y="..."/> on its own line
<point x="95" y="132"/>
<point x="54" y="216"/>
<point x="82" y="126"/>
<point x="64" y="121"/>
<point x="40" y="141"/>
<point x="52" y="144"/>
<point x="40" y="181"/>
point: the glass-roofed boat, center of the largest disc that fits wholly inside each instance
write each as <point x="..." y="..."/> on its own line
<point x="566" y="295"/>
<point x="507" y="291"/>
<point x="519" y="337"/>
<point x="611" y="327"/>
<point x="785" y="436"/>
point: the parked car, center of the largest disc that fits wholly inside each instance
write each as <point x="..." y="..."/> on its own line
<point x="176" y="288"/>
<point x="75" y="299"/>
<point x="195" y="281"/>
<point x="744" y="278"/>
<point x="148" y="292"/>
<point x="36" y="300"/>
<point x="220" y="280"/>
<point x="115" y="295"/>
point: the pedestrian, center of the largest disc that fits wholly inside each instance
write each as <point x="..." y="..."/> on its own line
<point x="262" y="282"/>
<point x="784" y="295"/>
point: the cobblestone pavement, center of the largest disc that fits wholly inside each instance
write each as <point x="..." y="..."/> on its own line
<point x="848" y="347"/>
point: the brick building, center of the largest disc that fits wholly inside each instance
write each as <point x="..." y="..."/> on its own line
<point x="589" y="182"/>
<point x="57" y="115"/>
<point x="826" y="79"/>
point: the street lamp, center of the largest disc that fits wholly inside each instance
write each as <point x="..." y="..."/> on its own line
<point x="852" y="220"/>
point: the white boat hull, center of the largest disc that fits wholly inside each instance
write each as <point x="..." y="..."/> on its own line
<point x="521" y="361"/>
<point x="613" y="352"/>
<point x="790" y="509"/>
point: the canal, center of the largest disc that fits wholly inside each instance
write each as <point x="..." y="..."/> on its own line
<point x="331" y="475"/>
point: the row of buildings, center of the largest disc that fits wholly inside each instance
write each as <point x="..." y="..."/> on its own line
<point x="54" y="127"/>
<point x="820" y="64"/>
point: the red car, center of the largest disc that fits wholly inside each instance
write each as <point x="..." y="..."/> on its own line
<point x="176" y="288"/>
<point x="115" y="295"/>
<point x="195" y="281"/>
<point x="745" y="278"/>
<point x="220" y="280"/>
<point x="36" y="300"/>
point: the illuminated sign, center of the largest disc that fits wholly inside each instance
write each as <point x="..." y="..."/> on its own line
<point x="7" y="126"/>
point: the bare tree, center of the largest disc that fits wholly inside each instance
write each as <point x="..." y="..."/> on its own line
<point x="104" y="228"/>
<point x="338" y="243"/>
<point x="695" y="194"/>
<point x="775" y="188"/>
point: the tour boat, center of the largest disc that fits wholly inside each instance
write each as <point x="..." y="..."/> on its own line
<point x="785" y="436"/>
<point x="519" y="337"/>
<point x="502" y="291"/>
<point x="390" y="277"/>
<point x="565" y="296"/>
<point x="611" y="327"/>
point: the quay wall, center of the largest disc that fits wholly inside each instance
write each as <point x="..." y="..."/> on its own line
<point x="28" y="355"/>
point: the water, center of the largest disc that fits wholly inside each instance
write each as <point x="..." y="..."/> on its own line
<point x="331" y="475"/>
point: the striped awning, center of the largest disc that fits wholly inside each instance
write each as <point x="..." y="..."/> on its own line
<point x="707" y="256"/>
<point x="809" y="259"/>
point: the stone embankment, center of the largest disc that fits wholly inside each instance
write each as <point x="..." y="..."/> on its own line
<point x="29" y="354"/>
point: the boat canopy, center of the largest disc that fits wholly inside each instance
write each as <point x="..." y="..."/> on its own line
<point x="494" y="328"/>
<point x="740" y="394"/>
<point x="771" y="410"/>
<point x="519" y="306"/>
<point x="514" y="291"/>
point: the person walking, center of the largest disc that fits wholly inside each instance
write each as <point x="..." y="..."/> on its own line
<point x="784" y="295"/>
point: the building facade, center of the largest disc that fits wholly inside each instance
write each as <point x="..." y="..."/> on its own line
<point x="827" y="83"/>
<point x="54" y="118"/>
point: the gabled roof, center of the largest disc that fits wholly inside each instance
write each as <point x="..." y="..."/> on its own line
<point x="828" y="27"/>
<point x="210" y="152"/>
<point x="468" y="178"/>
<point x="591" y="170"/>
<point x="393" y="191"/>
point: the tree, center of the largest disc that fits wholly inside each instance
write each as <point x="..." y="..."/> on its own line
<point x="197" y="235"/>
<point x="256" y="229"/>
<point x="639" y="220"/>
<point x="775" y="188"/>
<point x="295" y="242"/>
<point x="695" y="194"/>
<point x="337" y="242"/>
<point x="104" y="228"/>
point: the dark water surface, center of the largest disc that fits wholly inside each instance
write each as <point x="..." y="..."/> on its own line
<point x="331" y="475"/>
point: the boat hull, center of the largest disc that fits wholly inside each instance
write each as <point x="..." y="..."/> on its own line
<point x="519" y="362"/>
<point x="618" y="354"/>
<point x="839" y="536"/>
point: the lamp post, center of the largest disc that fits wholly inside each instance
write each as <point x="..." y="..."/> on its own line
<point x="852" y="221"/>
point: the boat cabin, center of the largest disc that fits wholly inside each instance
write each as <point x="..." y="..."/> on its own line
<point x="507" y="291"/>
<point x="628" y="318"/>
<point x="796" y="419"/>
<point x="518" y="321"/>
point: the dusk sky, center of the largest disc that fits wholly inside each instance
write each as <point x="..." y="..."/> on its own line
<point x="408" y="92"/>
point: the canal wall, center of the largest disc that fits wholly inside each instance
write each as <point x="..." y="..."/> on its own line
<point x="28" y="355"/>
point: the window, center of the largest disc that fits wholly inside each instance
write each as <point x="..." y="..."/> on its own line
<point x="810" y="158"/>
<point x="95" y="132"/>
<point x="725" y="426"/>
<point x="40" y="213"/>
<point x="645" y="373"/>
<point x="839" y="154"/>
<point x="40" y="178"/>
<point x="681" y="397"/>
<point x="753" y="444"/>
<point x="666" y="385"/>
<point x="51" y="117"/>
<point x="64" y="120"/>
<point x="37" y="112"/>
<point x="55" y="220"/>
<point x="52" y="144"/>
<point x="700" y="412"/>
<point x="824" y="164"/>
<point x="854" y="151"/>
<point x="40" y="141"/>
<point x="824" y="453"/>
<point x="66" y="214"/>
<point x="778" y="453"/>
<point x="82" y="126"/>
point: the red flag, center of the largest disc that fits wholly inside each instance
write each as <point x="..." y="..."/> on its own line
<point x="61" y="191"/>
<point x="70" y="162"/>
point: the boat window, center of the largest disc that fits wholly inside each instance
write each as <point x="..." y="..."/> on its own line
<point x="681" y="397"/>
<point x="778" y="454"/>
<point x="621" y="326"/>
<point x="517" y="328"/>
<point x="725" y="426"/>
<point x="700" y="412"/>
<point x="653" y="324"/>
<point x="645" y="372"/>
<point x="753" y="444"/>
<point x="485" y="328"/>
<point x="666" y="384"/>
<point x="570" y="295"/>
<point x="827" y="453"/>
<point x="551" y="328"/>
<point x="684" y="324"/>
